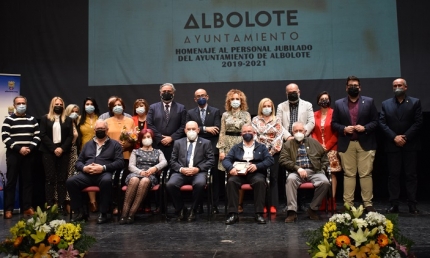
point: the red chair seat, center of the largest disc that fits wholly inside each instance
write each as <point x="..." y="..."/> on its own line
<point x="246" y="187"/>
<point x="306" y="185"/>
<point x="155" y="188"/>
<point x="91" y="189"/>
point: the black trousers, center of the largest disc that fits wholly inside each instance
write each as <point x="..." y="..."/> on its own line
<point x="258" y="183"/>
<point x="76" y="183"/>
<point x="177" y="180"/>
<point x="396" y="162"/>
<point x="56" y="170"/>
<point x="19" y="166"/>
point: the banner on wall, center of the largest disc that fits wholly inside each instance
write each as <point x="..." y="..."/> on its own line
<point x="148" y="42"/>
<point x="10" y="87"/>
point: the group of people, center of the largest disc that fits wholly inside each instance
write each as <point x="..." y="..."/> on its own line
<point x="83" y="150"/>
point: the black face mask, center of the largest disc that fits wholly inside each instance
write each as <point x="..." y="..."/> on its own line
<point x="100" y="134"/>
<point x="247" y="137"/>
<point x="324" y="103"/>
<point x="353" y="92"/>
<point x="293" y="97"/>
<point x="58" y="110"/>
<point x="167" y="96"/>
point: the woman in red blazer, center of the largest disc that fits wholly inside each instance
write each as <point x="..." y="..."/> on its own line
<point x="323" y="133"/>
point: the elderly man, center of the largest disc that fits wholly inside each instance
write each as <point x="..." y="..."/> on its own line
<point x="21" y="135"/>
<point x="401" y="120"/>
<point x="306" y="160"/>
<point x="192" y="157"/>
<point x="208" y="119"/>
<point x="254" y="173"/>
<point x="98" y="160"/>
<point x="295" y="109"/>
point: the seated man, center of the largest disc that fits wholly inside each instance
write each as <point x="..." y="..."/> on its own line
<point x="191" y="159"/>
<point x="307" y="161"/>
<point x="259" y="160"/>
<point x="98" y="160"/>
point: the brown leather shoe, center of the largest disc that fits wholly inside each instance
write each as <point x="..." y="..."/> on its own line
<point x="8" y="215"/>
<point x="29" y="212"/>
<point x="292" y="217"/>
<point x="313" y="215"/>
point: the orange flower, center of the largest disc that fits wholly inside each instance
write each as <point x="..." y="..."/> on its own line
<point x="18" y="241"/>
<point x="54" y="240"/>
<point x="383" y="240"/>
<point x="359" y="252"/>
<point x="41" y="251"/>
<point x="342" y="239"/>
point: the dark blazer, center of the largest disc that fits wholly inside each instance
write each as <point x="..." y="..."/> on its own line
<point x="367" y="117"/>
<point x="262" y="158"/>
<point x="398" y="119"/>
<point x="213" y="118"/>
<point x="203" y="155"/>
<point x="330" y="137"/>
<point x="156" y="120"/>
<point x="48" y="145"/>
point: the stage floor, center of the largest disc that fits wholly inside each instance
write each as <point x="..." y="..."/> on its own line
<point x="152" y="236"/>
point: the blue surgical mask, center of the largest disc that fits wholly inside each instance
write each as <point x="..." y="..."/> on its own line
<point x="20" y="109"/>
<point x="73" y="115"/>
<point x="201" y="101"/>
<point x="117" y="110"/>
<point x="89" y="109"/>
<point x="247" y="137"/>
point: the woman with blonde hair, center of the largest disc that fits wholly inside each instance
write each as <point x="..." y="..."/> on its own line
<point x="232" y="120"/>
<point x="56" y="133"/>
<point x="269" y="131"/>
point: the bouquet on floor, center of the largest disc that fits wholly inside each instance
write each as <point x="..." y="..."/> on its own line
<point x="352" y="234"/>
<point x="44" y="235"/>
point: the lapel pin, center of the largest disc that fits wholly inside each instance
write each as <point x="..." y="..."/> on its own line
<point x="362" y="102"/>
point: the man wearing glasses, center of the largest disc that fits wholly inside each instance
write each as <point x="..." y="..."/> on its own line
<point x="355" y="118"/>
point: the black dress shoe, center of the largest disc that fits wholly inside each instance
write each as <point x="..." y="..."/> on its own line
<point x="370" y="209"/>
<point x="233" y="218"/>
<point x="192" y="216"/>
<point x="413" y="209"/>
<point x="182" y="214"/>
<point x="215" y="210"/>
<point x="393" y="209"/>
<point x="259" y="219"/>
<point x="123" y="221"/>
<point x="102" y="218"/>
<point x="79" y="217"/>
<point x="200" y="209"/>
<point x="130" y="219"/>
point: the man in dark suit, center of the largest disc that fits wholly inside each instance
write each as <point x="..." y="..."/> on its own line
<point x="401" y="120"/>
<point x="355" y="118"/>
<point x="209" y="121"/>
<point x="192" y="157"/>
<point x="167" y="120"/>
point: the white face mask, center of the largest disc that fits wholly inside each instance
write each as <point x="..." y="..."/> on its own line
<point x="235" y="103"/>
<point x="191" y="135"/>
<point x="147" y="142"/>
<point x="73" y="115"/>
<point x="267" y="111"/>
<point x="299" y="136"/>
<point x="140" y="110"/>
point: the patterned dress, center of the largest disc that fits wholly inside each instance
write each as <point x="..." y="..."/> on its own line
<point x="73" y="158"/>
<point x="269" y="133"/>
<point x="143" y="160"/>
<point x="231" y="122"/>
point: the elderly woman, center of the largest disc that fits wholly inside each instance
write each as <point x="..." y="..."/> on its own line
<point x="232" y="120"/>
<point x="144" y="166"/>
<point x="269" y="132"/>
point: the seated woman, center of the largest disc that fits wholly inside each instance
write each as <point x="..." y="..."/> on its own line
<point x="144" y="165"/>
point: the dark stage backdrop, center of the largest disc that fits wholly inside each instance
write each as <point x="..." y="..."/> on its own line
<point x="48" y="43"/>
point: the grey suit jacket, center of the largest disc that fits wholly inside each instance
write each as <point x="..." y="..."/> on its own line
<point x="213" y="118"/>
<point x="203" y="155"/>
<point x="156" y="120"/>
<point x="305" y="115"/>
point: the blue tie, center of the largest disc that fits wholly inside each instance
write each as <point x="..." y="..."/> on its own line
<point x="189" y="151"/>
<point x="203" y="115"/>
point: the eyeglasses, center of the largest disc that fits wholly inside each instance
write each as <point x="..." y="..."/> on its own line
<point x="353" y="85"/>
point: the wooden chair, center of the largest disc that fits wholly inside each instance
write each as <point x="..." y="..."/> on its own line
<point x="248" y="187"/>
<point x="189" y="188"/>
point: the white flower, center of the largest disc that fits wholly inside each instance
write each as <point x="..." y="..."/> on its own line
<point x="360" y="223"/>
<point x="45" y="228"/>
<point x="392" y="253"/>
<point x="381" y="229"/>
<point x="343" y="253"/>
<point x="30" y="221"/>
<point x="343" y="218"/>
<point x="55" y="223"/>
<point x="53" y="253"/>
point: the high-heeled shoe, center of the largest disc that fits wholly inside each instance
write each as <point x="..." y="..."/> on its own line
<point x="240" y="208"/>
<point x="123" y="221"/>
<point x="130" y="219"/>
<point x="93" y="207"/>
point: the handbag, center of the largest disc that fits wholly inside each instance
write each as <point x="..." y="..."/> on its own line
<point x="333" y="158"/>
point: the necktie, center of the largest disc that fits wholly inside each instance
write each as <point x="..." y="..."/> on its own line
<point x="189" y="151"/>
<point x="167" y="112"/>
<point x="203" y="115"/>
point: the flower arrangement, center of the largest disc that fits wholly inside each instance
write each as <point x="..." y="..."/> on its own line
<point x="44" y="235"/>
<point x="351" y="234"/>
<point x="129" y="136"/>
